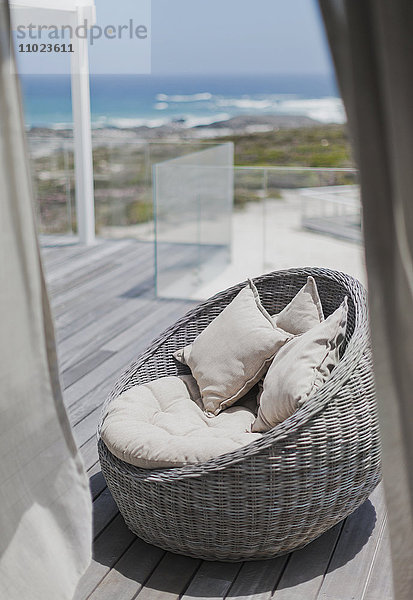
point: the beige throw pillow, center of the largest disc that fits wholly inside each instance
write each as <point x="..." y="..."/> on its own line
<point x="234" y="351"/>
<point x="299" y="369"/>
<point x="303" y="312"/>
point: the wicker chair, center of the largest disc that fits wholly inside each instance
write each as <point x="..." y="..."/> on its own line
<point x="283" y="490"/>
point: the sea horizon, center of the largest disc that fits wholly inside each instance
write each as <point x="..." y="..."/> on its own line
<point x="126" y="101"/>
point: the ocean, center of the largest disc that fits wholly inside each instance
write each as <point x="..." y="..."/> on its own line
<point x="135" y="100"/>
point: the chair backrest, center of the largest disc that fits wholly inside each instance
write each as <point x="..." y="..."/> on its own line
<point x="276" y="290"/>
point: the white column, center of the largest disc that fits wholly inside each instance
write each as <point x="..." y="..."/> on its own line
<point x="85" y="206"/>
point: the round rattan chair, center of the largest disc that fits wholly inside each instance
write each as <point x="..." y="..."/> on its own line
<point x="283" y="490"/>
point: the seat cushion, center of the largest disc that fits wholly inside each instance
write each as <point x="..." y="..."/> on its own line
<point x="234" y="351"/>
<point x="159" y="424"/>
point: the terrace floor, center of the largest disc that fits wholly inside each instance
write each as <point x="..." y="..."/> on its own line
<point x="106" y="314"/>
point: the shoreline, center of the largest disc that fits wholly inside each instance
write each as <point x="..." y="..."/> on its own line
<point x="238" y="125"/>
<point x="261" y="140"/>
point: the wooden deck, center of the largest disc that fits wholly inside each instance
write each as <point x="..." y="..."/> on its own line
<point x="106" y="314"/>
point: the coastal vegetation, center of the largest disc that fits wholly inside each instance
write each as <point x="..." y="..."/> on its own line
<point x="123" y="172"/>
<point x="320" y="146"/>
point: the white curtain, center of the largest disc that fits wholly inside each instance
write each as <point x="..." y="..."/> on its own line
<point x="372" y="47"/>
<point x="45" y="506"/>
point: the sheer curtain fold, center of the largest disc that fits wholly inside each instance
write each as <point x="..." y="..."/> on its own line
<point x="45" y="506"/>
<point x="372" y="47"/>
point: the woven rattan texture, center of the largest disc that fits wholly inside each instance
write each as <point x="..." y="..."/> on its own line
<point x="282" y="491"/>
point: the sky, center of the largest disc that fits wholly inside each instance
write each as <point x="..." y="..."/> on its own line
<point x="238" y="36"/>
<point x="205" y="37"/>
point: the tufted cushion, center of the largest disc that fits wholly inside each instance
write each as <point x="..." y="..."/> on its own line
<point x="159" y="425"/>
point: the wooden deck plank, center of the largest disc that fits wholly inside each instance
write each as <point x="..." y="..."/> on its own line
<point x="97" y="482"/>
<point x="106" y="314"/>
<point x="63" y="255"/>
<point x="55" y="254"/>
<point x="76" y="320"/>
<point x="104" y="282"/>
<point x="80" y="305"/>
<point x="304" y="573"/>
<point x="115" y="289"/>
<point x="104" y="511"/>
<point x="53" y="259"/>
<point x="89" y="392"/>
<point x="66" y="288"/>
<point x="82" y="367"/>
<point x="113" y="283"/>
<point x="256" y="580"/>
<point x="130" y="573"/>
<point x="68" y="264"/>
<point x="107" y="549"/>
<point x="89" y="452"/>
<point x="212" y="580"/>
<point x="348" y="571"/>
<point x="87" y="262"/>
<point x="114" y="286"/>
<point x="70" y="297"/>
<point x="140" y="334"/>
<point x="86" y="427"/>
<point x="84" y="342"/>
<point x="149" y="327"/>
<point x="380" y="582"/>
<point x="170" y="579"/>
